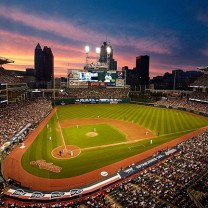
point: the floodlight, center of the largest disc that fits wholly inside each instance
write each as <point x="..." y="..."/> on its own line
<point x="108" y="50"/>
<point x="98" y="50"/>
<point x="87" y="49"/>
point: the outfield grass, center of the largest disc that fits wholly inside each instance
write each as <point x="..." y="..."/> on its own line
<point x="160" y="120"/>
<point x="169" y="123"/>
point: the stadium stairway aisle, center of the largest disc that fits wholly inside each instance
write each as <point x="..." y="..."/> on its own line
<point x="113" y="202"/>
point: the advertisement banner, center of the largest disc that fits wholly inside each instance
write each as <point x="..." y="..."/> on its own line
<point x="120" y="75"/>
<point x="73" y="73"/>
<point x="74" y="82"/>
<point x="83" y="83"/>
<point x="99" y="84"/>
<point x="120" y="82"/>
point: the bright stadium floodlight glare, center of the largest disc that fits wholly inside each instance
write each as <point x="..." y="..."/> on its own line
<point x="108" y="50"/>
<point x="98" y="53"/>
<point x="87" y="49"/>
<point x="98" y="50"/>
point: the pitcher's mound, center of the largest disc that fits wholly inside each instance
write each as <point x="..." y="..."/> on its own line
<point x="70" y="151"/>
<point x="91" y="134"/>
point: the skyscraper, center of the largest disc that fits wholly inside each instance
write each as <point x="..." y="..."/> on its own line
<point x="142" y="69"/>
<point x="38" y="59"/>
<point x="107" y="58"/>
<point x="44" y="66"/>
<point x="48" y="68"/>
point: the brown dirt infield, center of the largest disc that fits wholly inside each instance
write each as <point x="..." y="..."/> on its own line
<point x="12" y="168"/>
<point x="91" y="134"/>
<point x="133" y="131"/>
<point x="67" y="152"/>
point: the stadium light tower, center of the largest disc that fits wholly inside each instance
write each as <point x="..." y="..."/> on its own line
<point x="98" y="53"/>
<point x="87" y="49"/>
<point x="108" y="49"/>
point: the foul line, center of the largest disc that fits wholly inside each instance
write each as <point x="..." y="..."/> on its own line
<point x="59" y="126"/>
<point x="136" y="146"/>
<point x="115" y="144"/>
<point x="133" y="141"/>
<point x="179" y="132"/>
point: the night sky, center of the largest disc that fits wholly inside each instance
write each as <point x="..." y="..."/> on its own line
<point x="174" y="33"/>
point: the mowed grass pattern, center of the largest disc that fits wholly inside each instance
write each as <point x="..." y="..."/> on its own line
<point x="164" y="121"/>
<point x="170" y="124"/>
<point x="106" y="134"/>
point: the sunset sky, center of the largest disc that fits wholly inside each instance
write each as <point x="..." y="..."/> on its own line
<point x="174" y="33"/>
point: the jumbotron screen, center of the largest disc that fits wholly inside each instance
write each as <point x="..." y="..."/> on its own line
<point x="111" y="78"/>
<point x="108" y="77"/>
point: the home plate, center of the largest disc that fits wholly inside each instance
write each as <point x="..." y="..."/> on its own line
<point x="103" y="173"/>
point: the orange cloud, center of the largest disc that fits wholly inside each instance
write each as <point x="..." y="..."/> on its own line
<point x="20" y="48"/>
<point x="65" y="28"/>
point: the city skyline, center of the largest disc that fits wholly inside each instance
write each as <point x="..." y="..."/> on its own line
<point x="172" y="33"/>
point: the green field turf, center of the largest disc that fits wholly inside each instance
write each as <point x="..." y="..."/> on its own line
<point x="106" y="135"/>
<point x="168" y="123"/>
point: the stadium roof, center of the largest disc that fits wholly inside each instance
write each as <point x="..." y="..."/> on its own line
<point x="203" y="68"/>
<point x="5" y="61"/>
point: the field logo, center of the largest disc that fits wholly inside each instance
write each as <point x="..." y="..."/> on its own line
<point x="75" y="192"/>
<point x="42" y="164"/>
<point x="37" y="195"/>
<point x="19" y="192"/>
<point x="57" y="194"/>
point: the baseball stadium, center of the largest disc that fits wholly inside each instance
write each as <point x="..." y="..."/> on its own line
<point x="92" y="145"/>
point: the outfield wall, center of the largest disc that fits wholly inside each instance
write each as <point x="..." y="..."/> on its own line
<point x="90" y="101"/>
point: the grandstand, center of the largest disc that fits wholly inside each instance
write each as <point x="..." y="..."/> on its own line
<point x="198" y="190"/>
<point x="200" y="87"/>
<point x="194" y="100"/>
<point x="11" y="87"/>
<point x="5" y="61"/>
<point x="201" y="84"/>
<point x="97" y="92"/>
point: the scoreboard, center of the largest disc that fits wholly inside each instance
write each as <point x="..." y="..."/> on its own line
<point x="105" y="78"/>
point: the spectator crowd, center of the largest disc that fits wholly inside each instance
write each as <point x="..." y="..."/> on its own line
<point x="97" y="92"/>
<point x="185" y="103"/>
<point x="7" y="77"/>
<point x="200" y="190"/>
<point x="201" y="81"/>
<point x="199" y="96"/>
<point x="15" y="116"/>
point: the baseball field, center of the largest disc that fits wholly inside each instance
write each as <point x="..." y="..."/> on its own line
<point x="81" y="138"/>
